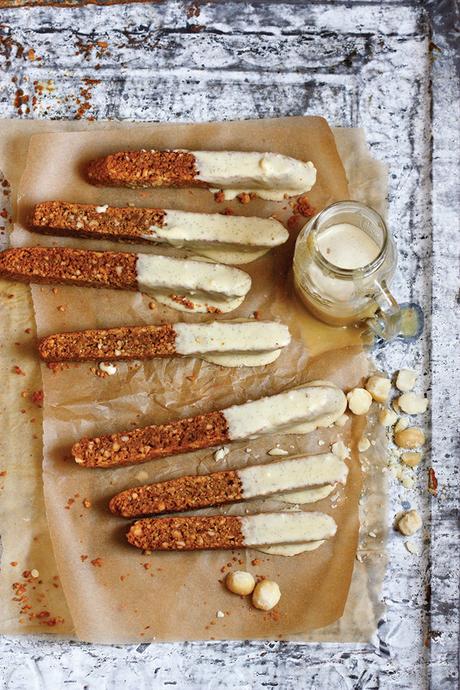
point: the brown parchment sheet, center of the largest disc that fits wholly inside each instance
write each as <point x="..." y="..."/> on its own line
<point x="124" y="596"/>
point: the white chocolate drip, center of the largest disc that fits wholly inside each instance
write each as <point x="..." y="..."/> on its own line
<point x="290" y="549"/>
<point x="306" y="495"/>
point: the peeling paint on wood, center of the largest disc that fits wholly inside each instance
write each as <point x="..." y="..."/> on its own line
<point x="365" y="64"/>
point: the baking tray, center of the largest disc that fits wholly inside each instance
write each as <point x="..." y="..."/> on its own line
<point x="370" y="64"/>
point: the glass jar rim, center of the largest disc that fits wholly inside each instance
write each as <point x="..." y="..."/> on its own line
<point x="349" y="273"/>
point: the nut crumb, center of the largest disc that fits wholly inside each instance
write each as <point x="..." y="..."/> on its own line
<point x="244" y="198"/>
<point x="340" y="450"/>
<point x="277" y="451"/>
<point x="221" y="453"/>
<point x="411" y="547"/>
<point x="108" y="368"/>
<point x="304" y="208"/>
<point x="363" y="444"/>
<point x="37" y="398"/>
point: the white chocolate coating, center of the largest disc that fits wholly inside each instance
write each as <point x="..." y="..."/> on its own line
<point x="202" y="283"/>
<point x="182" y="229"/>
<point x="314" y="470"/>
<point x="233" y="344"/>
<point x="269" y="175"/>
<point x="228" y="336"/>
<point x="299" y="410"/>
<point x="286" y="528"/>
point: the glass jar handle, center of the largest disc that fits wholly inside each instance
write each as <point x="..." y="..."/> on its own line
<point x="387" y="319"/>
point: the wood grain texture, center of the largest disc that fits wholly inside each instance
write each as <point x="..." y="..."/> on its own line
<point x="363" y="64"/>
<point x="65" y="3"/>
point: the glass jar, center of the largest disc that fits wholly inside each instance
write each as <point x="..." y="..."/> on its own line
<point x="346" y="282"/>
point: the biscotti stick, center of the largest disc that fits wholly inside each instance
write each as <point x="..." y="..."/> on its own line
<point x="269" y="175"/>
<point x="186" y="339"/>
<point x="206" y="233"/>
<point x="230" y="531"/>
<point x="182" y="284"/>
<point x="191" y="492"/>
<point x="300" y="410"/>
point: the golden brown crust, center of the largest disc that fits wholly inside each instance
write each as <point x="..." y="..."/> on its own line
<point x="175" y="495"/>
<point x="135" y="342"/>
<point x="187" y="533"/>
<point x="66" y="266"/>
<point x="145" y="169"/>
<point x="85" y="220"/>
<point x="151" y="442"/>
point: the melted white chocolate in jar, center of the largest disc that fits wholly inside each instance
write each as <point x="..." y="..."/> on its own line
<point x="346" y="246"/>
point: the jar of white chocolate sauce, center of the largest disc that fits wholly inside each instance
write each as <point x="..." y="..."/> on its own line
<point x="344" y="259"/>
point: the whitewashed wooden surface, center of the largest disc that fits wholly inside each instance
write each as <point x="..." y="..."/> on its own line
<point x="366" y="64"/>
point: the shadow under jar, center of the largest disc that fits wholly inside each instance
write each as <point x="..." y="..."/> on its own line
<point x="344" y="258"/>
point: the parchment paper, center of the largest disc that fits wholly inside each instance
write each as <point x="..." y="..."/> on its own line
<point x="117" y="598"/>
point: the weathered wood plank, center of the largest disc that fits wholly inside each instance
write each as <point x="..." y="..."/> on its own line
<point x="358" y="63"/>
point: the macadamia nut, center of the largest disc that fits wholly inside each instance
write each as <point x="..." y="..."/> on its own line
<point x="409" y="523"/>
<point x="240" y="582"/>
<point x="405" y="380"/>
<point x="387" y="417"/>
<point x="413" y="437"/>
<point x="379" y="387"/>
<point x="411" y="459"/>
<point x="340" y="450"/>
<point x="363" y="444"/>
<point x="412" y="403"/>
<point x="359" y="401"/>
<point x="266" y="595"/>
<point x="401" y="424"/>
